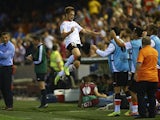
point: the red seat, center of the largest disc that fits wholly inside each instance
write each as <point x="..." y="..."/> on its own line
<point x="158" y="90"/>
<point x="158" y="95"/>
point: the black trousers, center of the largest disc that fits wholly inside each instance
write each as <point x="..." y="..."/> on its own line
<point x="146" y="89"/>
<point x="5" y="85"/>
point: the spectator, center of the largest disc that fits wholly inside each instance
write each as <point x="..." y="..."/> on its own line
<point x="19" y="34"/>
<point x="94" y="8"/>
<point x="48" y="42"/>
<point x="19" y="52"/>
<point x="107" y="83"/>
<point x="28" y="45"/>
<point x="56" y="61"/>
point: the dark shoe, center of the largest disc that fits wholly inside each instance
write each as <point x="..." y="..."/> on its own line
<point x="151" y="116"/>
<point x="7" y="108"/>
<point x="43" y="106"/>
<point x="140" y="117"/>
<point x="4" y="108"/>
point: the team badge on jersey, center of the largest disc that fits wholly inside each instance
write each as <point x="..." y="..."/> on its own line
<point x="74" y="44"/>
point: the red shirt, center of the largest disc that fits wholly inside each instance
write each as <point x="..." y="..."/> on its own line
<point x="87" y="88"/>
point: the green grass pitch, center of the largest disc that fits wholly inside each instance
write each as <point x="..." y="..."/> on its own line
<point x="26" y="110"/>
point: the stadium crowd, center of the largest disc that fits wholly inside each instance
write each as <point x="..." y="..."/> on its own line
<point x="96" y="15"/>
<point x="101" y="16"/>
<point x="108" y="14"/>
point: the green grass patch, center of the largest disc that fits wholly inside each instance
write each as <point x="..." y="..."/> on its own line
<point x="27" y="110"/>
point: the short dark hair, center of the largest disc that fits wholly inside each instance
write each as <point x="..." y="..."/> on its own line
<point x="153" y="28"/>
<point x="146" y="40"/>
<point x="117" y="30"/>
<point x="93" y="77"/>
<point x="106" y="76"/>
<point x="86" y="79"/>
<point x="36" y="37"/>
<point x="5" y="33"/>
<point x="55" y="47"/>
<point x="68" y="9"/>
<point x="138" y="31"/>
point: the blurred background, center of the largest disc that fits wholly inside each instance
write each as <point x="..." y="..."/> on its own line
<point x="15" y="13"/>
<point x="22" y="18"/>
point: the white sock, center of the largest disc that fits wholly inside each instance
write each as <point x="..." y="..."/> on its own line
<point x="117" y="108"/>
<point x="130" y="102"/>
<point x="130" y="106"/>
<point x="69" y="60"/>
<point x="61" y="73"/>
<point x="135" y="108"/>
<point x="117" y="104"/>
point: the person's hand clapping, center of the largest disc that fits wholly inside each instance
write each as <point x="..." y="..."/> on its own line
<point x="29" y="57"/>
<point x="94" y="48"/>
<point x="104" y="95"/>
<point x="112" y="34"/>
<point x="98" y="34"/>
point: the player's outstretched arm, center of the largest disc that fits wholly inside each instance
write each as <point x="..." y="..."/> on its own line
<point x="90" y="32"/>
<point x="118" y="41"/>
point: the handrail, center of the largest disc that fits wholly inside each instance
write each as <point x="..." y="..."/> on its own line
<point x="91" y="60"/>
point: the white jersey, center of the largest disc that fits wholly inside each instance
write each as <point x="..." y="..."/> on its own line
<point x="74" y="36"/>
<point x="49" y="41"/>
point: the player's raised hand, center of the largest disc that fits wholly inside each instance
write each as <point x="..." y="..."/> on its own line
<point x="94" y="48"/>
<point x="29" y="57"/>
<point x="112" y="34"/>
